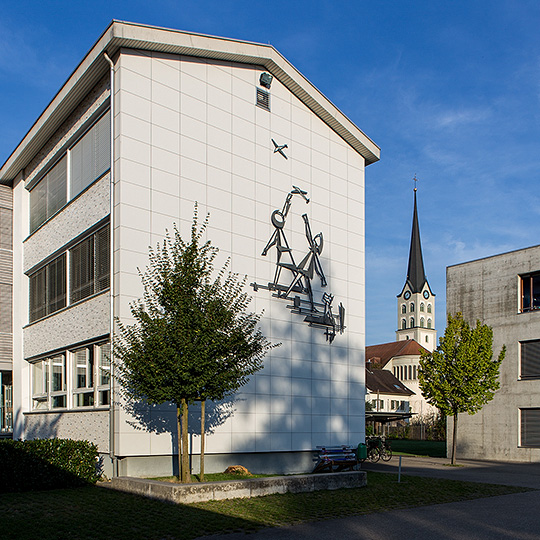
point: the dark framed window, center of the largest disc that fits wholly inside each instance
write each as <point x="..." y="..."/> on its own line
<point x="89" y="159"/>
<point x="529" y="359"/>
<point x="89" y="266"/>
<point x="48" y="289"/>
<point x="49" y="195"/>
<point x="530" y="292"/>
<point x="530" y="427"/>
<point x="89" y="273"/>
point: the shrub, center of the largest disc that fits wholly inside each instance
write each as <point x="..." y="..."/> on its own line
<point x="46" y="464"/>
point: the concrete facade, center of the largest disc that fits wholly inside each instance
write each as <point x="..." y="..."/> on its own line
<point x="185" y="127"/>
<point x="490" y="290"/>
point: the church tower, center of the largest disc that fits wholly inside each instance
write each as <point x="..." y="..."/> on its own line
<point x="416" y="302"/>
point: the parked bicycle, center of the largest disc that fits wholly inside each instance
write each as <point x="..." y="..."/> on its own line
<point x="378" y="448"/>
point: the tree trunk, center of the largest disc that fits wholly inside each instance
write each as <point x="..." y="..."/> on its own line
<point x="454" y="439"/>
<point x="201" y="473"/>
<point x="179" y="427"/>
<point x="185" y="444"/>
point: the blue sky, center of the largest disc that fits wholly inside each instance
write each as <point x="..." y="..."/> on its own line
<point x="450" y="91"/>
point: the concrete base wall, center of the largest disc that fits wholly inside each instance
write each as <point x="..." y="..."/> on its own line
<point x="253" y="487"/>
<point x="257" y="463"/>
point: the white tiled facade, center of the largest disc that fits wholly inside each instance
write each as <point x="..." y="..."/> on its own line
<point x="186" y="129"/>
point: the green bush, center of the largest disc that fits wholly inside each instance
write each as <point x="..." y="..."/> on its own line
<point x="46" y="464"/>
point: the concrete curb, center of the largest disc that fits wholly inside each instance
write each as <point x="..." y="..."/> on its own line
<point x="252" y="487"/>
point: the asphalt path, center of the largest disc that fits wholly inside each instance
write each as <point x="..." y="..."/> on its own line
<point x="506" y="517"/>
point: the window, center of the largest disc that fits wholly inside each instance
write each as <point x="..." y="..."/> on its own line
<point x="530" y="359"/>
<point x="89" y="158"/>
<point x="429" y="323"/>
<point x="91" y="375"/>
<point x="49" y="195"/>
<point x="410" y="372"/>
<point x="429" y="308"/>
<point x="88" y="274"/>
<point x="403" y="324"/>
<point x="89" y="266"/>
<point x="530" y="292"/>
<point x="412" y="322"/>
<point x="82" y="373"/>
<point x="403" y="308"/>
<point x="427" y="337"/>
<point x="412" y="307"/>
<point x="422" y="322"/>
<point x="422" y="306"/>
<point x="530" y="428"/>
<point x="401" y="372"/>
<point x="49" y="383"/>
<point x="414" y="372"/>
<point x="48" y="289"/>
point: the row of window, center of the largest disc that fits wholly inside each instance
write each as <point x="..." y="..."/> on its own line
<point x="404" y="373"/>
<point x="73" y="379"/>
<point x="83" y="163"/>
<point x="395" y="405"/>
<point x="411" y="307"/>
<point x="412" y="323"/>
<point x="88" y="266"/>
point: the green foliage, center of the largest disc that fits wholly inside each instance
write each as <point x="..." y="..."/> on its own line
<point x="461" y="374"/>
<point x="192" y="338"/>
<point x="46" y="464"/>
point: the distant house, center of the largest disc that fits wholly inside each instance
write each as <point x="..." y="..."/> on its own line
<point x="401" y="360"/>
<point x="503" y="291"/>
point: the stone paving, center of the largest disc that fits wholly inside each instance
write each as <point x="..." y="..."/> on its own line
<point x="506" y="517"/>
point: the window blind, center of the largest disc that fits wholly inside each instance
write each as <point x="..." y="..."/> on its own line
<point x="530" y="427"/>
<point x="530" y="359"/>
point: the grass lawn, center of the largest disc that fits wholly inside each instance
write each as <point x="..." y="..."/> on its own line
<point x="99" y="513"/>
<point x="418" y="448"/>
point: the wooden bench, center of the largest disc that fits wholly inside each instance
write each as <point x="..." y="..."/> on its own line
<point x="335" y="459"/>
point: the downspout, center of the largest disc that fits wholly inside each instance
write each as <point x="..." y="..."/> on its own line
<point x="112" y="452"/>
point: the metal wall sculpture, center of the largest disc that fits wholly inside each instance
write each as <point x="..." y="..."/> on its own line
<point x="292" y="281"/>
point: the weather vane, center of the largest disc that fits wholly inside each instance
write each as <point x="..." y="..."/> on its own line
<point x="415" y="180"/>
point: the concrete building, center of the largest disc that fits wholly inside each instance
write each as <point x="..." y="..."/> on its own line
<point x="150" y="122"/>
<point x="503" y="291"/>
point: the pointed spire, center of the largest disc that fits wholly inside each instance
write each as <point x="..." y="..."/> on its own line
<point x="416" y="276"/>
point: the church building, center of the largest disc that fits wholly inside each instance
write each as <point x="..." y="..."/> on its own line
<point x="416" y="327"/>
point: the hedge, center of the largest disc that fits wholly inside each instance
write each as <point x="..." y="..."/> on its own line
<point x="46" y="464"/>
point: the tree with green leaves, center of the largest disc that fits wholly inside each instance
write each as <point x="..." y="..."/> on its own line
<point x="461" y="374"/>
<point x="193" y="338"/>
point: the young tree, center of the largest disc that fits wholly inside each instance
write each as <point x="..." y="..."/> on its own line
<point x="192" y="338"/>
<point x="461" y="374"/>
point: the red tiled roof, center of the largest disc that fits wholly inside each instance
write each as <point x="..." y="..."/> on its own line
<point x="383" y="353"/>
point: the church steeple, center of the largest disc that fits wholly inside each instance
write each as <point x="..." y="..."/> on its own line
<point x="416" y="302"/>
<point x="416" y="276"/>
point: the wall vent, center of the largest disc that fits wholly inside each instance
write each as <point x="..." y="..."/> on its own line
<point x="263" y="99"/>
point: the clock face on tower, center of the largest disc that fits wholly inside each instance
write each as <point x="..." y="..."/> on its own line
<point x="426" y="295"/>
<point x="407" y="295"/>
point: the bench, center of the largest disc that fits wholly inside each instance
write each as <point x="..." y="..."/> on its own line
<point x="335" y="459"/>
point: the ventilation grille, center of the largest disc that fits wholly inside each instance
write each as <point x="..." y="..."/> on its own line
<point x="263" y="99"/>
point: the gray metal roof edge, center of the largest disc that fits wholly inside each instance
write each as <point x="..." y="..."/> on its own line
<point x="132" y="35"/>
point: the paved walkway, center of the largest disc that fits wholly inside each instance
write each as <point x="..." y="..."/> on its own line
<point x="515" y="517"/>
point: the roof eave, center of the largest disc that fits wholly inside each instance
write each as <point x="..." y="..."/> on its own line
<point x="136" y="36"/>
